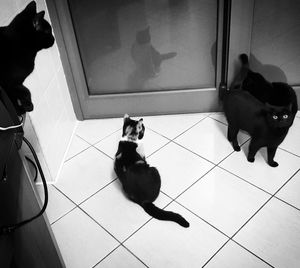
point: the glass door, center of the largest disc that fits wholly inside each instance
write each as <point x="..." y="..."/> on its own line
<point x="143" y="57"/>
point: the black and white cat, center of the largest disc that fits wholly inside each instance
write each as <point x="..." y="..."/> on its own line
<point x="247" y="107"/>
<point x="26" y="34"/>
<point x="145" y="56"/>
<point x="140" y="181"/>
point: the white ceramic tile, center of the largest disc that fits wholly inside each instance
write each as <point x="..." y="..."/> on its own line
<point x="172" y="125"/>
<point x="159" y="244"/>
<point x="219" y="117"/>
<point x="77" y="145"/>
<point x="120" y="258"/>
<point x="259" y="172"/>
<point x="116" y="213"/>
<point x="298" y="114"/>
<point x="234" y="256"/>
<point x="96" y="129"/>
<point x="292" y="140"/>
<point x="85" y="174"/>
<point x="58" y="204"/>
<point x="291" y="191"/>
<point x="151" y="142"/>
<point x="82" y="242"/>
<point x="178" y="168"/>
<point x="274" y="235"/>
<point x="223" y="200"/>
<point x="208" y="139"/>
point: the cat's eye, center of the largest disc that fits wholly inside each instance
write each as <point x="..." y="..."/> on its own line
<point x="285" y="116"/>
<point x="275" y="117"/>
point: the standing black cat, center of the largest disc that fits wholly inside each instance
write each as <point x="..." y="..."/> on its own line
<point x="27" y="34"/>
<point x="140" y="182"/>
<point x="267" y="125"/>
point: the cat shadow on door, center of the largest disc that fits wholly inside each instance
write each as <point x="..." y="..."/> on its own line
<point x="147" y="59"/>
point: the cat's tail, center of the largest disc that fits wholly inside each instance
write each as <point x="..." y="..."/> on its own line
<point x="163" y="215"/>
<point x="244" y="60"/>
<point x="167" y="56"/>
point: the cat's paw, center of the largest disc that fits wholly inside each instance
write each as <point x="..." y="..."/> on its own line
<point x="237" y="148"/>
<point x="273" y="163"/>
<point x="251" y="159"/>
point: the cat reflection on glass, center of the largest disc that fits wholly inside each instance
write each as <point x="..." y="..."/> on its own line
<point x="147" y="59"/>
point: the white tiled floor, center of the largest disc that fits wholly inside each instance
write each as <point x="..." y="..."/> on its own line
<point x="241" y="214"/>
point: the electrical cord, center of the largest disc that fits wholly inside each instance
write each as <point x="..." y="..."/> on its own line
<point x="10" y="228"/>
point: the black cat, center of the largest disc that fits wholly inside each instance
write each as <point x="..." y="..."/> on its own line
<point x="27" y="34"/>
<point x="140" y="182"/>
<point x="267" y="125"/>
<point x="145" y="56"/>
<point x="276" y="94"/>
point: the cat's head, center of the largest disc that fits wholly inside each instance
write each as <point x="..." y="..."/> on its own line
<point x="133" y="129"/>
<point x="143" y="36"/>
<point x="32" y="26"/>
<point x="279" y="116"/>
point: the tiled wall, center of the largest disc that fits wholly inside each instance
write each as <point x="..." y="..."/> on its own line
<point x="50" y="126"/>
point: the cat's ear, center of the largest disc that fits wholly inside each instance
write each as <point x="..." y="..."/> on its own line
<point x="142" y="132"/>
<point x="37" y="20"/>
<point x="30" y="9"/>
<point x="126" y="117"/>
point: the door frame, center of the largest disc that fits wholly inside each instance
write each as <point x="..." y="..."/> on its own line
<point x="115" y="105"/>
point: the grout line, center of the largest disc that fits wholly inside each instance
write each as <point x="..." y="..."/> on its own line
<point x="120" y="245"/>
<point x="67" y="160"/>
<point x="288" y="151"/>
<point x="215" y="253"/>
<point x="102" y="152"/>
<point x="63" y="215"/>
<point x="252" y="253"/>
<point x="248" y="182"/>
<point x="135" y="256"/>
<point x="106" y="185"/>
<point x="286" y="203"/>
<point x="171" y="139"/>
<point x="264" y="204"/>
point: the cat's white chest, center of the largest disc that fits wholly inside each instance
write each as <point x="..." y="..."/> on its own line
<point x="140" y="149"/>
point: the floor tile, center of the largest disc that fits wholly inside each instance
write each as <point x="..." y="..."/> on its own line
<point x="208" y="139"/>
<point x="291" y="191"/>
<point x="96" y="129"/>
<point x="77" y="146"/>
<point x="159" y="244"/>
<point x="171" y="126"/>
<point x="223" y="200"/>
<point x="178" y="168"/>
<point x="292" y="140"/>
<point x="151" y="142"/>
<point x="58" y="204"/>
<point x="234" y="256"/>
<point x="120" y="216"/>
<point x="82" y="242"/>
<point x="259" y="172"/>
<point x="219" y="117"/>
<point x="274" y="235"/>
<point x="85" y="174"/>
<point x="120" y="258"/>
